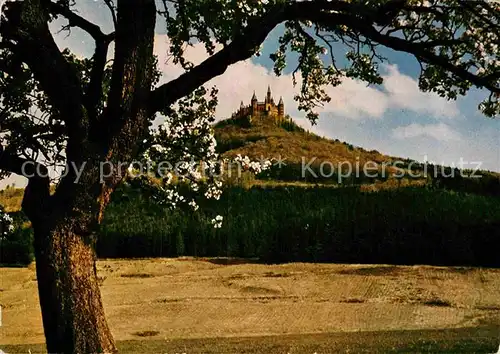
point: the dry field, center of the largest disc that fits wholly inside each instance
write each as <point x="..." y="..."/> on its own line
<point x="196" y="305"/>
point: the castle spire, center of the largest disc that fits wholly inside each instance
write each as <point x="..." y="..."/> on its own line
<point x="269" y="97"/>
<point x="254" y="97"/>
<point x="281" y="108"/>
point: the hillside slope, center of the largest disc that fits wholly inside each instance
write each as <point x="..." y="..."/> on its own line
<point x="260" y="137"/>
<point x="263" y="137"/>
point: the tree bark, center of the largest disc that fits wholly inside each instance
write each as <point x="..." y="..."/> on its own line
<point x="64" y="225"/>
<point x="70" y="299"/>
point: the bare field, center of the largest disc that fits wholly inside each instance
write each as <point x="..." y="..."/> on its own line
<point x="167" y="300"/>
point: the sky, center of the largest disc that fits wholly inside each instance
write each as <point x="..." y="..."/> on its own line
<point x="395" y="118"/>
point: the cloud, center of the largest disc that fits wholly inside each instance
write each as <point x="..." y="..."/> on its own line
<point x="235" y="85"/>
<point x="440" y="131"/>
<point x="352" y="99"/>
<point x="403" y="92"/>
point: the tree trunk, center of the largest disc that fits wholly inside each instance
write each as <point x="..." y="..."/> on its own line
<point x="65" y="224"/>
<point x="72" y="311"/>
<point x="70" y="299"/>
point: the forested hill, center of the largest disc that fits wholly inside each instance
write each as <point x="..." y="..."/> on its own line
<point x="262" y="137"/>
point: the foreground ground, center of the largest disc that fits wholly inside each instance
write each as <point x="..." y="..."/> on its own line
<point x="208" y="306"/>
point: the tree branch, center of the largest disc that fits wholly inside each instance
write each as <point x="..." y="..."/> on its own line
<point x="357" y="16"/>
<point x="76" y="20"/>
<point x="26" y="24"/>
<point x="111" y="7"/>
<point x="19" y="166"/>
<point x="421" y="51"/>
<point x="133" y="59"/>
<point x="37" y="192"/>
<point x="132" y="70"/>
<point x="126" y="118"/>
<point x="94" y="90"/>
<point x="243" y="46"/>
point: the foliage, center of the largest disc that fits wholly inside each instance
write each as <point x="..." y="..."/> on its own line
<point x="289" y="125"/>
<point x="456" y="42"/>
<point x="17" y="247"/>
<point x="6" y="224"/>
<point x="11" y="198"/>
<point x="16" y="240"/>
<point x="279" y="224"/>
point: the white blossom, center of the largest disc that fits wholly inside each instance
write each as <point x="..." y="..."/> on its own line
<point x="7" y="225"/>
<point x="217" y="222"/>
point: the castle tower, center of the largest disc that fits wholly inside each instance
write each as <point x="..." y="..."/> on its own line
<point x="281" y="108"/>
<point x="269" y="97"/>
<point x="268" y="102"/>
<point x="254" y="103"/>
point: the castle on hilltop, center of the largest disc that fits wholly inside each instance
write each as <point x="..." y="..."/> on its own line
<point x="266" y="108"/>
